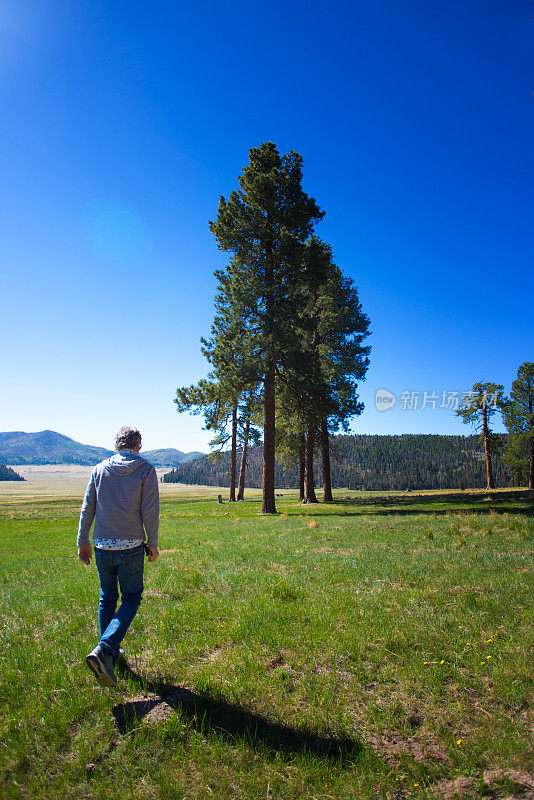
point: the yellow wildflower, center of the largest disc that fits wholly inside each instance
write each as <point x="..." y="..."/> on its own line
<point x="441" y="662"/>
<point x="458" y="742"/>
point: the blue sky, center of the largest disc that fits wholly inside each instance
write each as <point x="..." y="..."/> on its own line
<point x="123" y="122"/>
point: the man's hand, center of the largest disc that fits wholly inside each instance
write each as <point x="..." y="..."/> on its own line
<point x="153" y="553"/>
<point x="84" y="553"/>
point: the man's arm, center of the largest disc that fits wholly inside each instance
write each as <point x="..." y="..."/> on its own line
<point x="150" y="511"/>
<point x="87" y="516"/>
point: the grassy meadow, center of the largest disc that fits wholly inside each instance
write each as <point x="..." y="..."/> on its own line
<point x="376" y="647"/>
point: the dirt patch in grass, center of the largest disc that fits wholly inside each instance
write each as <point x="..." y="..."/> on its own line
<point x="496" y="783"/>
<point x="147" y="707"/>
<point x="522" y="782"/>
<point x="462" y="786"/>
<point x="411" y="738"/>
<point x="277" y="661"/>
<point x="520" y="713"/>
<point x="392" y="746"/>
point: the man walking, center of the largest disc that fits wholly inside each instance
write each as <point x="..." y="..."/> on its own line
<point x="122" y="498"/>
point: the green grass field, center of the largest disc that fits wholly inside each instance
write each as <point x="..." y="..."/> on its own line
<point x="379" y="646"/>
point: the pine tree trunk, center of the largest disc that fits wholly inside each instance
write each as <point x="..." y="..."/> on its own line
<point x="268" y="505"/>
<point x="243" y="466"/>
<point x="487" y="448"/>
<point x="233" y="458"/>
<point x="325" y="452"/>
<point x="302" y="467"/>
<point x="309" y="483"/>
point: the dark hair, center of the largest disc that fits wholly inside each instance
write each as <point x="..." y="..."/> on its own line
<point x="127" y="439"/>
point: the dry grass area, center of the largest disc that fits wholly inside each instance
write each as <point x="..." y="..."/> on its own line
<point x="44" y="481"/>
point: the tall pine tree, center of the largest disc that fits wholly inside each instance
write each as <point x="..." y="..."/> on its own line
<point x="331" y="359"/>
<point x="518" y="413"/>
<point x="477" y="409"/>
<point x="265" y="224"/>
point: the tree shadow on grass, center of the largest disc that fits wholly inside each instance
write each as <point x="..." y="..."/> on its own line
<point x="217" y="716"/>
<point x="512" y="502"/>
<point x="400" y="512"/>
<point x="453" y="496"/>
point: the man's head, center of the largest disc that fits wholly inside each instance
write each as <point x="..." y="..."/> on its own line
<point x="128" y="439"/>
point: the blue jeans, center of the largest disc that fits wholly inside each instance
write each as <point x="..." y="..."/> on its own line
<point x="124" y="567"/>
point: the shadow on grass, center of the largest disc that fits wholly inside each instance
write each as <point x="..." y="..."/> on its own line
<point x="513" y="502"/>
<point x="217" y="716"/>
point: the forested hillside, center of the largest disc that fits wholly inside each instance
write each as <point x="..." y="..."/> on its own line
<point x="50" y="447"/>
<point x="408" y="461"/>
<point x="169" y="457"/>
<point x="47" y="447"/>
<point x="8" y="474"/>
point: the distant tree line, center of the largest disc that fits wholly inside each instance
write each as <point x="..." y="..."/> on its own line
<point x="8" y="474"/>
<point x="372" y="463"/>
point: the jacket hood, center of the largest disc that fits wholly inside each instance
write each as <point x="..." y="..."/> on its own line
<point x="124" y="463"/>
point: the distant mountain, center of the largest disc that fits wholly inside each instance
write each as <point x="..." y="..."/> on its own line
<point x="169" y="457"/>
<point x="47" y="447"/>
<point x="7" y="474"/>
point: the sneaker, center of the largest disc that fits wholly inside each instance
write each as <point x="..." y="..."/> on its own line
<point x="101" y="664"/>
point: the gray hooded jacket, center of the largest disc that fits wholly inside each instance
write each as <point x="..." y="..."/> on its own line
<point x="122" y="498"/>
